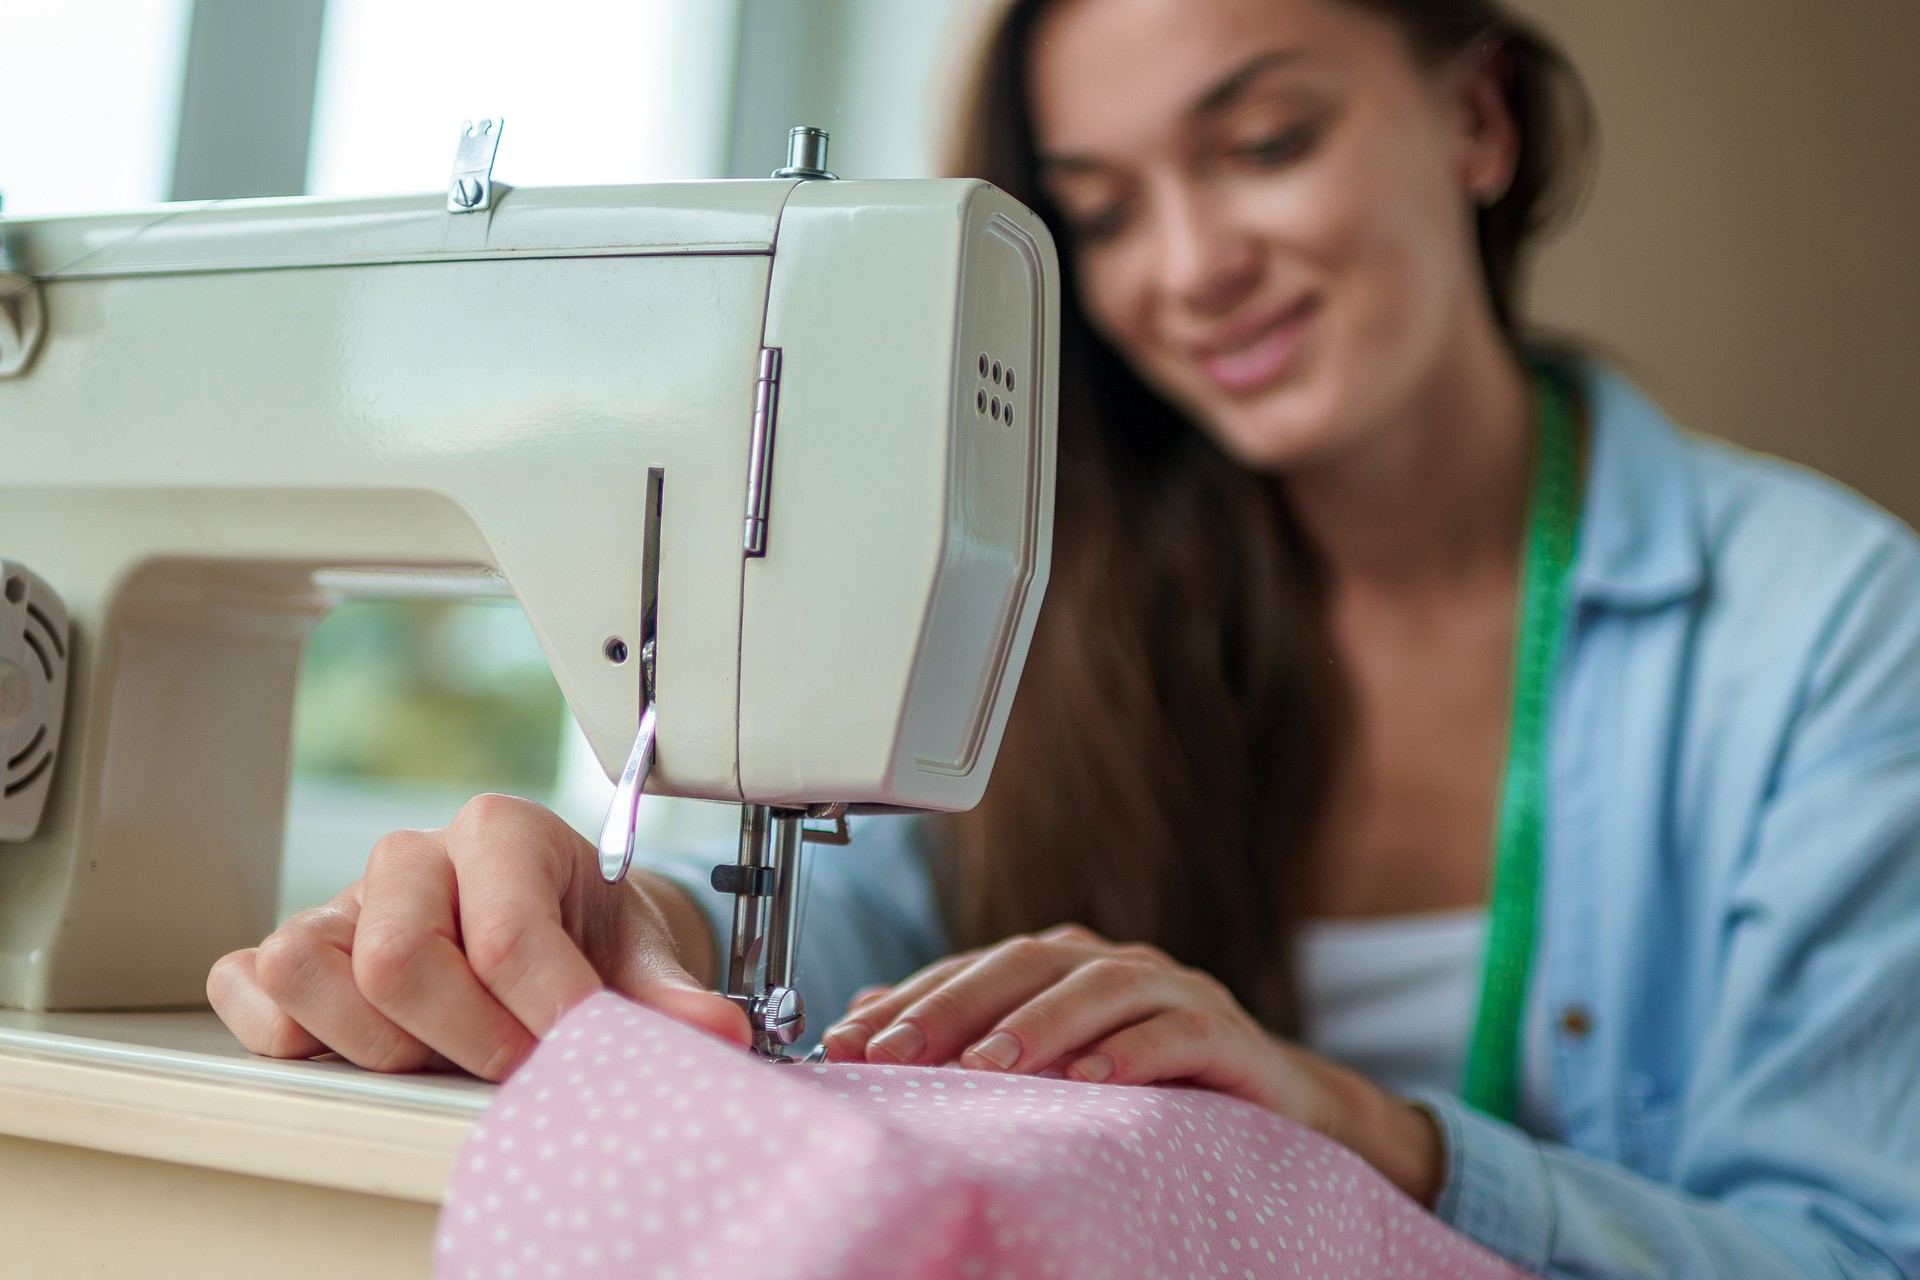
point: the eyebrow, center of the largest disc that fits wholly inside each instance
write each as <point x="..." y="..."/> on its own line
<point x="1223" y="95"/>
<point x="1214" y="100"/>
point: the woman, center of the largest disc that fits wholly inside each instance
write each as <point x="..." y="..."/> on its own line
<point x="1292" y="675"/>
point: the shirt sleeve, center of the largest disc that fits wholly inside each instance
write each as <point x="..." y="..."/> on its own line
<point x="869" y="911"/>
<point x="1798" y="1144"/>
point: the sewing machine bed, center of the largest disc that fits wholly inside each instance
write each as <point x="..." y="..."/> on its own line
<point x="195" y="1045"/>
<point x="152" y="1144"/>
<point x="632" y="1146"/>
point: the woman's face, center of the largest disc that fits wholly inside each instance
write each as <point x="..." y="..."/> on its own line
<point x="1270" y="206"/>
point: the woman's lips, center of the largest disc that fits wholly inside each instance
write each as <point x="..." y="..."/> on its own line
<point x="1264" y="356"/>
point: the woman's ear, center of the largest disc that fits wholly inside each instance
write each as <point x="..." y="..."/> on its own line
<point x="1488" y="133"/>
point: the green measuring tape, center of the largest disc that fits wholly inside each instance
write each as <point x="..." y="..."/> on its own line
<point x="1492" y="1078"/>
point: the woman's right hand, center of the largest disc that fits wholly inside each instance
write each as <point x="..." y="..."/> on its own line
<point x="465" y="945"/>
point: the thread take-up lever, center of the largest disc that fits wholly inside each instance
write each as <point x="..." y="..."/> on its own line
<point x="623" y="815"/>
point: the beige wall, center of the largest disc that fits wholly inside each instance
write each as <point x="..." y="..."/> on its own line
<point x="1752" y="244"/>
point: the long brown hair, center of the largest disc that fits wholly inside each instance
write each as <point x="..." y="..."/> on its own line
<point x="1171" y="741"/>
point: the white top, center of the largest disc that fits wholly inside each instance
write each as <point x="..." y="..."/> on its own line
<point x="1394" y="999"/>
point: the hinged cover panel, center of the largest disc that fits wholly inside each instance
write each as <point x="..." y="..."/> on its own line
<point x="911" y="531"/>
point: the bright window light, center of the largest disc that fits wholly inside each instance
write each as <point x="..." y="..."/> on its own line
<point x="593" y="91"/>
<point x="89" y="101"/>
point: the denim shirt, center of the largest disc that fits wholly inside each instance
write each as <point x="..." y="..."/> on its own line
<point x="1727" y="965"/>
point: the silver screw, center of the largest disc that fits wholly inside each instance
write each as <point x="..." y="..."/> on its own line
<point x="467" y="192"/>
<point x="780" y="1014"/>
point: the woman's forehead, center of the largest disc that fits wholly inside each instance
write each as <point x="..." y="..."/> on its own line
<point x="1106" y="73"/>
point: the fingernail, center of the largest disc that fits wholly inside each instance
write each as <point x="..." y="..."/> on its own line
<point x="847" y="1042"/>
<point x="999" y="1050"/>
<point x="1093" y="1068"/>
<point x="903" y="1042"/>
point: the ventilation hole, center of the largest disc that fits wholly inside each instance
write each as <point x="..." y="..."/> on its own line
<point x="980" y="401"/>
<point x="996" y="373"/>
<point x="39" y="653"/>
<point x="983" y="370"/>
<point x="995" y="410"/>
<point x="14" y="788"/>
<point x="39" y="736"/>
<point x="1006" y="415"/>
<point x="17" y="587"/>
<point x="1009" y="377"/>
<point x="53" y="635"/>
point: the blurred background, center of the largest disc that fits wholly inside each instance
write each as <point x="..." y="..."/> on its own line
<point x="1750" y="251"/>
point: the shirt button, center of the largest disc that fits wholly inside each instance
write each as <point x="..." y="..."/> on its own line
<point x="1575" y="1022"/>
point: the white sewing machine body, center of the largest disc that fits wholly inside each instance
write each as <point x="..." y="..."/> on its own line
<point x="206" y="411"/>
<point x="561" y="391"/>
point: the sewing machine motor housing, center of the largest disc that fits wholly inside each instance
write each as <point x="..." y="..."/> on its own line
<point x="583" y="392"/>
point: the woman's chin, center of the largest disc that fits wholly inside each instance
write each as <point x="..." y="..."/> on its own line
<point x="1284" y="427"/>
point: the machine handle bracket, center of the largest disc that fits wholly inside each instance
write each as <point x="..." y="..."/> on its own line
<point x="470" y="189"/>
<point x="23" y="315"/>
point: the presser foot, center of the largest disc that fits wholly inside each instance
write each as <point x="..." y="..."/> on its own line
<point x="777" y="1017"/>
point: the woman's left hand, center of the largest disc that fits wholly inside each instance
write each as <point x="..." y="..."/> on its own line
<point x="1068" y="1000"/>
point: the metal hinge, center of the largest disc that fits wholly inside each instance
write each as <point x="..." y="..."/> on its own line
<point x="766" y="411"/>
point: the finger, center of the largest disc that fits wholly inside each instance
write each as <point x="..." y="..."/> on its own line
<point x="1094" y="1000"/>
<point x="876" y="1008"/>
<point x="649" y="969"/>
<point x="306" y="967"/>
<point x="516" y="863"/>
<point x="262" y="1026"/>
<point x="851" y="1021"/>
<point x="408" y="963"/>
<point x="1185" y="1044"/>
<point x="937" y="1025"/>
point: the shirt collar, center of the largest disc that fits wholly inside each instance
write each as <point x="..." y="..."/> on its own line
<point x="1641" y="544"/>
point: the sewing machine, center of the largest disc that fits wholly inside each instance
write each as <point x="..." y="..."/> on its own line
<point x="768" y="465"/>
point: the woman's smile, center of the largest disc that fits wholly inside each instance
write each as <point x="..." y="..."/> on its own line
<point x="1257" y="352"/>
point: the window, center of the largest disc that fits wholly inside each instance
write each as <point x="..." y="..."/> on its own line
<point x="593" y="91"/>
<point x="89" y="101"/>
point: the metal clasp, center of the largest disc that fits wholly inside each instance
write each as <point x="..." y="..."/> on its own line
<point x="23" y="314"/>
<point x="470" y="189"/>
<point x="837" y="834"/>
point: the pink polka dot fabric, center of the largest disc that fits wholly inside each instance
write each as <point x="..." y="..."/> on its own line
<point x="632" y="1146"/>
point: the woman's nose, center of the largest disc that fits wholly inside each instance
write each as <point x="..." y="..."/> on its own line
<point x="1206" y="262"/>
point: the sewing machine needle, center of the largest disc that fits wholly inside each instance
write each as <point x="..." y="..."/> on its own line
<point x="616" y="834"/>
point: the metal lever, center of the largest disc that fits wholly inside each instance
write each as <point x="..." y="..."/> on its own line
<point x="623" y="815"/>
<point x="616" y="834"/>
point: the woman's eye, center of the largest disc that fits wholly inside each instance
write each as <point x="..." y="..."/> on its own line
<point x="1097" y="224"/>
<point x="1276" y="149"/>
